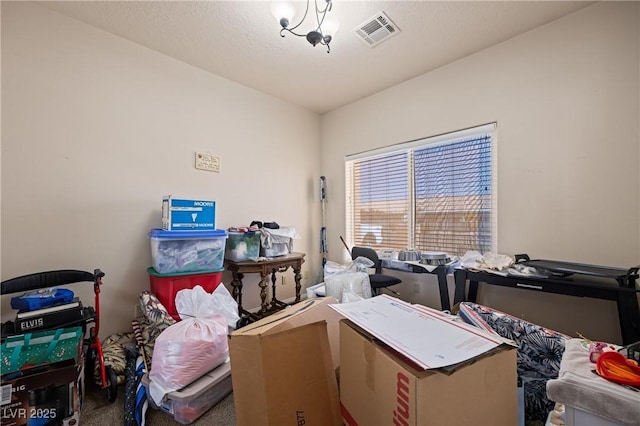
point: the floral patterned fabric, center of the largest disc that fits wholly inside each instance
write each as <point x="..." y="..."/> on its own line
<point x="539" y="353"/>
<point x="115" y="356"/>
<point x="155" y="318"/>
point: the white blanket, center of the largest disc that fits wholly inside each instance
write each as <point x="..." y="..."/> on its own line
<point x="578" y="387"/>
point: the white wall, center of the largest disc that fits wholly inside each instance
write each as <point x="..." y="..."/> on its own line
<point x="566" y="100"/>
<point x="97" y="129"/>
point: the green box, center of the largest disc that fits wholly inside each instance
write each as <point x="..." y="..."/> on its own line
<point x="34" y="349"/>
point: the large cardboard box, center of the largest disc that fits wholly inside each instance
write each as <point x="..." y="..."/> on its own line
<point x="380" y="387"/>
<point x="282" y="368"/>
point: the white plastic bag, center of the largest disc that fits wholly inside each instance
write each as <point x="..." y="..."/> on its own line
<point x="360" y="264"/>
<point x="352" y="278"/>
<point x="356" y="283"/>
<point x="348" y="297"/>
<point x="188" y="349"/>
<point x="223" y="303"/>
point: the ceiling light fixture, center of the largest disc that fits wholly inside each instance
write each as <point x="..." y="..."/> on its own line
<point x="322" y="33"/>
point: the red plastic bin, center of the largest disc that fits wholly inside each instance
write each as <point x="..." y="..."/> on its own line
<point x="166" y="286"/>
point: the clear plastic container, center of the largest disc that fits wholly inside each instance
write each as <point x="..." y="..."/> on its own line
<point x="191" y="402"/>
<point x="187" y="251"/>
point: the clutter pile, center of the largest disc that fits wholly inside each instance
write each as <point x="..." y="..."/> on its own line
<point x="180" y="334"/>
<point x="189" y="361"/>
<point x="45" y="350"/>
<point x="258" y="241"/>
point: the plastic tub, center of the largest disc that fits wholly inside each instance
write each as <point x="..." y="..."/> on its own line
<point x="166" y="286"/>
<point x="187" y="251"/>
<point x="191" y="402"/>
<point x="243" y="246"/>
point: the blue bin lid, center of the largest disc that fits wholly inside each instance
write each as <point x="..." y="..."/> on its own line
<point x="180" y="235"/>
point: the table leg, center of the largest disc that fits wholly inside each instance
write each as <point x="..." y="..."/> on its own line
<point x="460" y="278"/>
<point x="473" y="291"/>
<point x="297" y="277"/>
<point x="236" y="291"/>
<point x="273" y="284"/>
<point x="441" y="272"/>
<point x="263" y="293"/>
<point x="629" y="317"/>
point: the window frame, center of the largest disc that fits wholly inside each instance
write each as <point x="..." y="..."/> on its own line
<point x="409" y="148"/>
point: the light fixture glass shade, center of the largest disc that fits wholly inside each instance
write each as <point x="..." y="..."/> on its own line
<point x="283" y="10"/>
<point x="330" y="27"/>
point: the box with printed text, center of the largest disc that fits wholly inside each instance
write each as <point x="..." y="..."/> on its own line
<point x="282" y="367"/>
<point x="380" y="386"/>
<point x="47" y="394"/>
<point x="181" y="214"/>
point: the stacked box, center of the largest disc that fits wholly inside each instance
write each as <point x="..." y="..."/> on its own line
<point x="167" y="286"/>
<point x="179" y="214"/>
<point x="40" y="349"/>
<point x="48" y="394"/>
<point x="381" y="386"/>
<point x="187" y="251"/>
<point x="283" y="367"/>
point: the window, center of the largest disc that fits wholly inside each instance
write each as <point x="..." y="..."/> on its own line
<point x="434" y="194"/>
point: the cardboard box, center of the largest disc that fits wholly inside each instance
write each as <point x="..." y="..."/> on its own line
<point x="282" y="369"/>
<point x="47" y="394"/>
<point x="380" y="387"/>
<point x="180" y="214"/>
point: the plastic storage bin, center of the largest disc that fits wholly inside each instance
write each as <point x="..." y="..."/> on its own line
<point x="242" y="246"/>
<point x="166" y="286"/>
<point x="189" y="403"/>
<point x="187" y="251"/>
<point x="277" y="242"/>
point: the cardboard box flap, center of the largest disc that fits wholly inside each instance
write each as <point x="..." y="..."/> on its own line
<point x="305" y="312"/>
<point x="408" y="364"/>
<point x="397" y="323"/>
<point x="282" y="320"/>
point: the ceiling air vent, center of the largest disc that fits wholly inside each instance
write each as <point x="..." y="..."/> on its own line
<point x="376" y="30"/>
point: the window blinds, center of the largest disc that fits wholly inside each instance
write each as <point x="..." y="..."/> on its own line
<point x="435" y="194"/>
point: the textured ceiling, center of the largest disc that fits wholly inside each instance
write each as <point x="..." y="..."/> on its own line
<point x="240" y="40"/>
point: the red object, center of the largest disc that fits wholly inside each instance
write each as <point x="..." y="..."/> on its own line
<point x="166" y="286"/>
<point x="616" y="367"/>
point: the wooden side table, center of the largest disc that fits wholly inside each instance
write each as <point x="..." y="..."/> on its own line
<point x="266" y="268"/>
